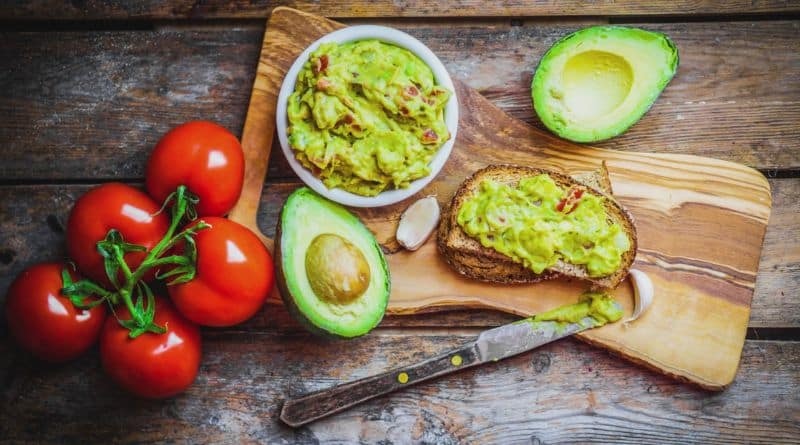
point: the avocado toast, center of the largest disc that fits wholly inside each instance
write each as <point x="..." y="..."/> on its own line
<point x="469" y="257"/>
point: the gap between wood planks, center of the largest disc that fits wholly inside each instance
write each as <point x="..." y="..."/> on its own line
<point x="755" y="334"/>
<point x="770" y="173"/>
<point x="209" y="24"/>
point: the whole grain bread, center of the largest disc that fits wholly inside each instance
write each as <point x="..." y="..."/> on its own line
<point x="469" y="258"/>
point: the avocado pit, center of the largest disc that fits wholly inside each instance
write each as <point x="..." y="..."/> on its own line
<point x="337" y="270"/>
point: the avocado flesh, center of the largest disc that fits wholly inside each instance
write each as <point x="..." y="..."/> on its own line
<point x="595" y="83"/>
<point x="304" y="218"/>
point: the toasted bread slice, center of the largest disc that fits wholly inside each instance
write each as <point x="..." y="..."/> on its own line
<point x="468" y="257"/>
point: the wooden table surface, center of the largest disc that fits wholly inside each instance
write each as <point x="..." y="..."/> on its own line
<point x="87" y="88"/>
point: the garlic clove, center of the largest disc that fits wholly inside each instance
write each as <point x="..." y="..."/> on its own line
<point x="643" y="294"/>
<point x="418" y="222"/>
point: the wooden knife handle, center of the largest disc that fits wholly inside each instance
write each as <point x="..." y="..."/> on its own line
<point x="313" y="406"/>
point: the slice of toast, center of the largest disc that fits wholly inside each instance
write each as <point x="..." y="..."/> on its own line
<point x="469" y="258"/>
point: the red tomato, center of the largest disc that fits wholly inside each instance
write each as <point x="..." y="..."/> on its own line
<point x="153" y="366"/>
<point x="45" y="322"/>
<point x="234" y="276"/>
<point x="112" y="206"/>
<point x="204" y="157"/>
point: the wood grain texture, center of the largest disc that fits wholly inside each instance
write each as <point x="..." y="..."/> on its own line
<point x="182" y="9"/>
<point x="704" y="281"/>
<point x="563" y="392"/>
<point x="92" y="104"/>
<point x="32" y="221"/>
<point x="257" y="138"/>
<point x="570" y="393"/>
<point x="727" y="86"/>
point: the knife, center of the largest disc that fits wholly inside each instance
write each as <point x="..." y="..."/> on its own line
<point x="490" y="346"/>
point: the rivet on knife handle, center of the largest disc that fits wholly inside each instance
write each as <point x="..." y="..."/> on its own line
<point x="300" y="411"/>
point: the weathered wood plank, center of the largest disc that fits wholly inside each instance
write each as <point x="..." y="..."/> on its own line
<point x="181" y="9"/>
<point x="724" y="93"/>
<point x="780" y="259"/>
<point x="32" y="220"/>
<point x="91" y="105"/>
<point x="563" y="392"/>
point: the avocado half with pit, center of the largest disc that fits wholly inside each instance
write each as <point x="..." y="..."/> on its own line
<point x="594" y="84"/>
<point x="331" y="272"/>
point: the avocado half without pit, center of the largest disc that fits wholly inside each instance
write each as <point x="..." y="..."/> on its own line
<point x="595" y="83"/>
<point x="331" y="271"/>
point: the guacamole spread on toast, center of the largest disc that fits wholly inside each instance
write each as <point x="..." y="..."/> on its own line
<point x="366" y="116"/>
<point x="538" y="223"/>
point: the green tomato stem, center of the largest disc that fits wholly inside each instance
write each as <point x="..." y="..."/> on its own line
<point x="152" y="259"/>
<point x="167" y="260"/>
<point x="125" y="292"/>
<point x="98" y="290"/>
<point x="142" y="319"/>
<point x="126" y="297"/>
<point x="122" y="264"/>
<point x="167" y="241"/>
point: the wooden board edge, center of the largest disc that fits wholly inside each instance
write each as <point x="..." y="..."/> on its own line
<point x="707" y="385"/>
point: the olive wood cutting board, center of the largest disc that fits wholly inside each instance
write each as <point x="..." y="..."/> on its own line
<point x="701" y="224"/>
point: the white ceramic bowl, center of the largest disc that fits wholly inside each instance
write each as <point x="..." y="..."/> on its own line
<point x="388" y="35"/>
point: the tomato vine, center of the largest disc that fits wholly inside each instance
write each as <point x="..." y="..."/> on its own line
<point x="129" y="286"/>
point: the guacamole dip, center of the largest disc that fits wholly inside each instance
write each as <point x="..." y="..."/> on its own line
<point x="537" y="223"/>
<point x="598" y="306"/>
<point x="593" y="309"/>
<point x="366" y="116"/>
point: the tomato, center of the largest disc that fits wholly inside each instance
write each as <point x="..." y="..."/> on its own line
<point x="204" y="157"/>
<point x="234" y="276"/>
<point x="152" y="365"/>
<point x="44" y="321"/>
<point x="571" y="201"/>
<point x="112" y="206"/>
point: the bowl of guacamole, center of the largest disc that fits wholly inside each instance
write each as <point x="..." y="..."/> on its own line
<point x="367" y="116"/>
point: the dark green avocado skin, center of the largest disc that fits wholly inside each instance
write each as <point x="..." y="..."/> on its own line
<point x="288" y="300"/>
